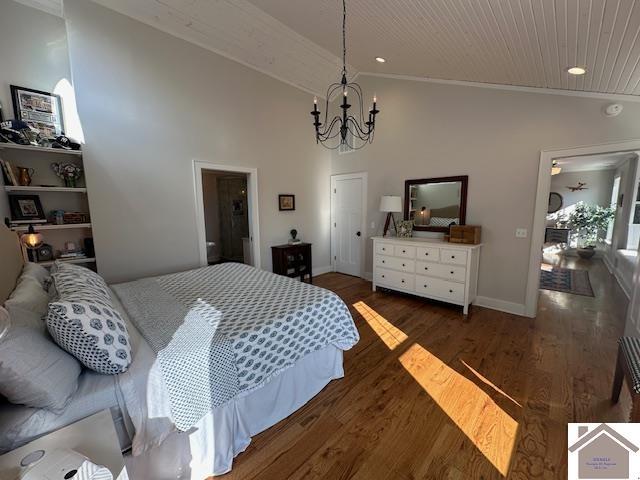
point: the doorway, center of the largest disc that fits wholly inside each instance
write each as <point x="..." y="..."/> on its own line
<point x="348" y="227"/>
<point x="227" y="214"/>
<point x="581" y="181"/>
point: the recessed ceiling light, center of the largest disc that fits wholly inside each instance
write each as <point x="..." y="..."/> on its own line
<point x="576" y="70"/>
<point x="380" y="60"/>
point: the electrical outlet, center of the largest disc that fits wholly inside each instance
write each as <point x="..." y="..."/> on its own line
<point x="521" y="233"/>
<point x="373" y="225"/>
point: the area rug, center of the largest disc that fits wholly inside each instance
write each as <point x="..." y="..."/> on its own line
<point x="565" y="280"/>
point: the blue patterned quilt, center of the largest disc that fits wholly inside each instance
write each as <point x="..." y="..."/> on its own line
<point x="226" y="330"/>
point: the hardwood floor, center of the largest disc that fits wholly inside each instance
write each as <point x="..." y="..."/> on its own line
<point x="427" y="395"/>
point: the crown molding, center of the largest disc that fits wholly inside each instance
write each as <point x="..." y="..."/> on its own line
<point x="514" y="88"/>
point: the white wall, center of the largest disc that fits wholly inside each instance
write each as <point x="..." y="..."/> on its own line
<point x="598" y="187"/>
<point x="150" y="104"/>
<point x="33" y="53"/>
<point x="495" y="137"/>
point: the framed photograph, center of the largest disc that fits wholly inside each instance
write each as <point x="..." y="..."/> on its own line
<point x="26" y="207"/>
<point x="286" y="202"/>
<point x="41" y="110"/>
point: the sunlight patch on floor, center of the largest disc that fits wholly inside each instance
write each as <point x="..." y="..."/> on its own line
<point x="489" y="427"/>
<point x="489" y="383"/>
<point x="388" y="333"/>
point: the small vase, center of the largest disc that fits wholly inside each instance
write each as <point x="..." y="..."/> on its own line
<point x="70" y="182"/>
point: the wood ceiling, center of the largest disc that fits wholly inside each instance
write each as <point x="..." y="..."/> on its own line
<point x="527" y="43"/>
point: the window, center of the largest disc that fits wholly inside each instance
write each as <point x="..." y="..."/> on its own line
<point x="614" y="203"/>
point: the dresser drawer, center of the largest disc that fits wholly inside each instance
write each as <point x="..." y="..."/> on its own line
<point x="427" y="268"/>
<point x="449" y="272"/>
<point x="454" y="257"/>
<point x="394" y="279"/>
<point x="428" y="254"/>
<point x="404" y="251"/>
<point x="384" y="248"/>
<point x="395" y="263"/>
<point x="437" y="287"/>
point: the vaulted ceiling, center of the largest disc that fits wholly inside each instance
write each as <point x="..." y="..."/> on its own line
<point x="526" y="43"/>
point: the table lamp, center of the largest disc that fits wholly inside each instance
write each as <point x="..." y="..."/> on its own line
<point x="390" y="204"/>
<point x="31" y="240"/>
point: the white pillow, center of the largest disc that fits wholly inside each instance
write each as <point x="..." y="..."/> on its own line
<point x="34" y="371"/>
<point x="38" y="272"/>
<point x="29" y="294"/>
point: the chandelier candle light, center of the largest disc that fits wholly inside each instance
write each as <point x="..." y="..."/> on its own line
<point x="344" y="129"/>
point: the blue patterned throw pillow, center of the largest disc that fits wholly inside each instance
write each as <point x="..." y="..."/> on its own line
<point x="93" y="333"/>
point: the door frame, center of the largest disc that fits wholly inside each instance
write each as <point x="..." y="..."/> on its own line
<point x="363" y="227"/>
<point x="252" y="204"/>
<point x="541" y="206"/>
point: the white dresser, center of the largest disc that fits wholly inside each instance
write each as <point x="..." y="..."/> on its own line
<point x="428" y="268"/>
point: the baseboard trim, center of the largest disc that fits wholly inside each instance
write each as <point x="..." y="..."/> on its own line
<point x="607" y="263"/>
<point x="501" y="305"/>
<point x="320" y="270"/>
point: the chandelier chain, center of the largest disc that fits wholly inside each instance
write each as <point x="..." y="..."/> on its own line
<point x="344" y="36"/>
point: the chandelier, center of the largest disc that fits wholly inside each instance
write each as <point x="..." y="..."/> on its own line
<point x="345" y="129"/>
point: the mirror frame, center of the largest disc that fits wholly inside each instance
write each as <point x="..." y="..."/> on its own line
<point x="464" y="179"/>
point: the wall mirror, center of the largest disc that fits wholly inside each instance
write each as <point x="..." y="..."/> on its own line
<point x="434" y="204"/>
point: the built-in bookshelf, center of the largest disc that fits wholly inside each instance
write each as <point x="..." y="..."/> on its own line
<point x="54" y="196"/>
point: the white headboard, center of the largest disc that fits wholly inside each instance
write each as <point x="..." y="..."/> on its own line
<point x="11" y="262"/>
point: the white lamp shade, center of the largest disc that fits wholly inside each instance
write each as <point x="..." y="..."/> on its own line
<point x="390" y="203"/>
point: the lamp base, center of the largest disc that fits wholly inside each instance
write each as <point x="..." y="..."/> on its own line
<point x="390" y="219"/>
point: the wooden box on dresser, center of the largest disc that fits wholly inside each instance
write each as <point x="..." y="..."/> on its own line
<point x="428" y="268"/>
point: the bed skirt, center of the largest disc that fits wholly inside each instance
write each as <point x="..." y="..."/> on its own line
<point x="210" y="447"/>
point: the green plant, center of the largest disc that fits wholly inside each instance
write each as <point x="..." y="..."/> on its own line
<point x="588" y="223"/>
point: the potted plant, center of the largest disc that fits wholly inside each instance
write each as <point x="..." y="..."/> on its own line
<point x="588" y="223"/>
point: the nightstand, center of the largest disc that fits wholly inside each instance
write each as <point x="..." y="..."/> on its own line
<point x="94" y="437"/>
<point x="292" y="260"/>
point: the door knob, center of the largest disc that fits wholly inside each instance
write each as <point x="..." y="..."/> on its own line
<point x="358" y="234"/>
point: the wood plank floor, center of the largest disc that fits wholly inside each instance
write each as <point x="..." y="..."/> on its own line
<point x="427" y="395"/>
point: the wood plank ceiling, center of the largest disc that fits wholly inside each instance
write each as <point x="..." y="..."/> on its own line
<point x="526" y="43"/>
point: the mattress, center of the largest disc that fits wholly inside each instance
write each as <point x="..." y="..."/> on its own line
<point x="96" y="392"/>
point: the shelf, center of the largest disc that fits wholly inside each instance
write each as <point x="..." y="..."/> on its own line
<point x="35" y="188"/>
<point x="33" y="148"/>
<point x="69" y="260"/>
<point x="38" y="228"/>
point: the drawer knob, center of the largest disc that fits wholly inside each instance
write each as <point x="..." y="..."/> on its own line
<point x="382" y="261"/>
<point x="382" y="276"/>
<point x="427" y="254"/>
<point x="452" y="272"/>
<point x="384" y="249"/>
<point x="403" y="280"/>
<point x="450" y="291"/>
<point x="425" y="286"/>
<point x="403" y="265"/>
<point x="404" y="251"/>
<point x="426" y="268"/>
<point x="453" y="256"/>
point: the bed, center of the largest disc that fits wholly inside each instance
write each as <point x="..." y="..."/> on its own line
<point x="241" y="309"/>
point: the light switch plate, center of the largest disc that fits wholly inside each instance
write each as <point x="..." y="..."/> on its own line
<point x="521" y="233"/>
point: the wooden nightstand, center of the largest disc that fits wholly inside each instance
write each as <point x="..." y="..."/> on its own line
<point x="94" y="437"/>
<point x="292" y="260"/>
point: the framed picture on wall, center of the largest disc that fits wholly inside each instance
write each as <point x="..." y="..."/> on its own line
<point x="286" y="202"/>
<point x="25" y="208"/>
<point x="41" y="110"/>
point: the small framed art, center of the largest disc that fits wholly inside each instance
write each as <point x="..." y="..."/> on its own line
<point x="286" y="202"/>
<point x="41" y="110"/>
<point x="26" y="208"/>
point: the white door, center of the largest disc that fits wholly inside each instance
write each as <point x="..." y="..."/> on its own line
<point x="348" y="196"/>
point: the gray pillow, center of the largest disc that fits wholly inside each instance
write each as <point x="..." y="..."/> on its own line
<point x="34" y="371"/>
<point x="29" y="294"/>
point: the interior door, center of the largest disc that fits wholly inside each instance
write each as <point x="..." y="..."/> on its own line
<point x="347" y="219"/>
